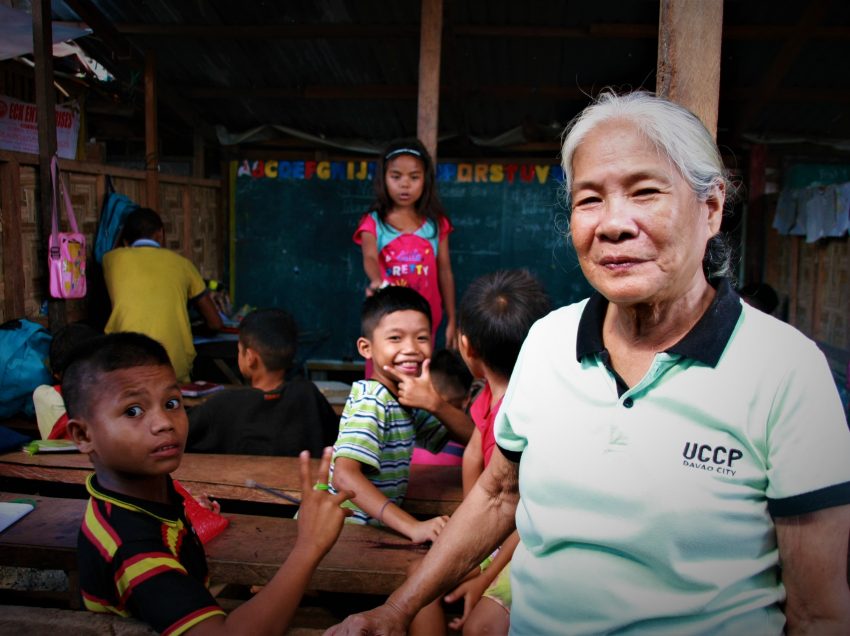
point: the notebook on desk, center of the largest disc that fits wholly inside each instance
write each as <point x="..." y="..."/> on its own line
<point x="11" y="511"/>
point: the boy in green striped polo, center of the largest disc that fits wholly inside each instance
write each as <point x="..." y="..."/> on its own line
<point x="376" y="433"/>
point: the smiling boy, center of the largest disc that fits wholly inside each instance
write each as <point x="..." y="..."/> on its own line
<point x="138" y="553"/>
<point x="376" y="433"/>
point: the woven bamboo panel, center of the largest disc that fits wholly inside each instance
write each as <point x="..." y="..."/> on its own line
<point x="834" y="295"/>
<point x="207" y="249"/>
<point x="822" y="285"/>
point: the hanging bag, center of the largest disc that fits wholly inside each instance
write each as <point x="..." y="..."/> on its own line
<point x="116" y="207"/>
<point x="66" y="255"/>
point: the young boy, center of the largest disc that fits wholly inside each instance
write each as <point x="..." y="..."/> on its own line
<point x="138" y="554"/>
<point x="273" y="416"/>
<point x="494" y="317"/>
<point x="376" y="433"/>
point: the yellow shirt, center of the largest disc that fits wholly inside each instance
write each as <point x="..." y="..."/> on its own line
<point x="150" y="288"/>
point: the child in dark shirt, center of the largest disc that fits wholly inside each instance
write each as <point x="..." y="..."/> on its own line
<point x="49" y="405"/>
<point x="138" y="554"/>
<point x="274" y="416"/>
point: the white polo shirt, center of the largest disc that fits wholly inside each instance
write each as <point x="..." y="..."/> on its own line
<point x="648" y="509"/>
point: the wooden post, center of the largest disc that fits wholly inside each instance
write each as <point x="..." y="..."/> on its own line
<point x="755" y="228"/>
<point x="198" y="147"/>
<point x="151" y="145"/>
<point x="187" y="221"/>
<point x="429" y="74"/>
<point x="13" y="273"/>
<point x="42" y="34"/>
<point x="689" y="35"/>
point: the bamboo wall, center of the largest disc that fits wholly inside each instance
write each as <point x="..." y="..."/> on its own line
<point x="814" y="280"/>
<point x="191" y="209"/>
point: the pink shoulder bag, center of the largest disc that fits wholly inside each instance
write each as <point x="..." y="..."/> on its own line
<point x="66" y="256"/>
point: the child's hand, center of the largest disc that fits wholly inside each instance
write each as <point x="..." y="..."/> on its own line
<point x="471" y="591"/>
<point x="209" y="503"/>
<point x="374" y="286"/>
<point x="320" y="517"/>
<point x="428" y="530"/>
<point x="417" y="392"/>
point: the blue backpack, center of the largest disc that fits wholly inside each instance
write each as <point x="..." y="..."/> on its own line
<point x="115" y="209"/>
<point x="24" y="350"/>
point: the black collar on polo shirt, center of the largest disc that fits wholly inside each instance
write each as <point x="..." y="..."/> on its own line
<point x="705" y="342"/>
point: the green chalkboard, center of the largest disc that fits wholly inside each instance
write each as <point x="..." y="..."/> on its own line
<point x="293" y="243"/>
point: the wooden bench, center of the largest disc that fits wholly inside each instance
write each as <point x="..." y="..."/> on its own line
<point x="16" y="619"/>
<point x="365" y="560"/>
<point x="433" y="490"/>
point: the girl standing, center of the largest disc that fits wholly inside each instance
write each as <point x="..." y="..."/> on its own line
<point x="405" y="237"/>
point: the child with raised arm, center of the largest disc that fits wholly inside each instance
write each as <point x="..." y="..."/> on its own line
<point x="138" y="554"/>
<point x="376" y="434"/>
<point x="405" y="236"/>
<point x="496" y="312"/>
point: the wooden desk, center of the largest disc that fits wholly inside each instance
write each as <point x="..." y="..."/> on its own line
<point x="364" y="560"/>
<point x="433" y="490"/>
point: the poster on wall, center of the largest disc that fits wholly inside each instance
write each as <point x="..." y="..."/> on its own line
<point x="19" y="127"/>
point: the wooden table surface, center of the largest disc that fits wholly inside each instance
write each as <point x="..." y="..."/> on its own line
<point x="433" y="490"/>
<point x="364" y="560"/>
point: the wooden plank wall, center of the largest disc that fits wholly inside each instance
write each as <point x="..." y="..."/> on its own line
<point x="182" y="200"/>
<point x="814" y="279"/>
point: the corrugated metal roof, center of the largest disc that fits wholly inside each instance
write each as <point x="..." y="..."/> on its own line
<point x="348" y="68"/>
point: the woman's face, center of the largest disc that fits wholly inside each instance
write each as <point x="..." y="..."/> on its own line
<point x="637" y="226"/>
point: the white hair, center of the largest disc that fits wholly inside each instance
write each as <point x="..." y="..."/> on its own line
<point x="678" y="135"/>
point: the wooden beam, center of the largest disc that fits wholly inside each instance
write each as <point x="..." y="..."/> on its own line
<point x="186" y="196"/>
<point x="46" y="119"/>
<point x="151" y="140"/>
<point x="427" y="123"/>
<point x="383" y="92"/>
<point x="768" y="89"/>
<point x="689" y="36"/>
<point x="597" y="30"/>
<point x="13" y="256"/>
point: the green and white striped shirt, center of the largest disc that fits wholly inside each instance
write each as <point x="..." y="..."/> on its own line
<point x="380" y="433"/>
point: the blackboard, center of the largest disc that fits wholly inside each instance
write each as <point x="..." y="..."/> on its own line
<point x="292" y="246"/>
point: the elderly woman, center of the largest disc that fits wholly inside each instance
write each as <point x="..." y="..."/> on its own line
<point x="663" y="447"/>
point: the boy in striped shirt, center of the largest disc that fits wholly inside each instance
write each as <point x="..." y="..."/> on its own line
<point x="376" y="432"/>
<point x="137" y="552"/>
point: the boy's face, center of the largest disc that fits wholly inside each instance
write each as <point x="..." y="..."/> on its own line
<point x="135" y="427"/>
<point x="400" y="341"/>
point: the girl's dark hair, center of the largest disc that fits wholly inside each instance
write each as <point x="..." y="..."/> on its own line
<point x="429" y="204"/>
